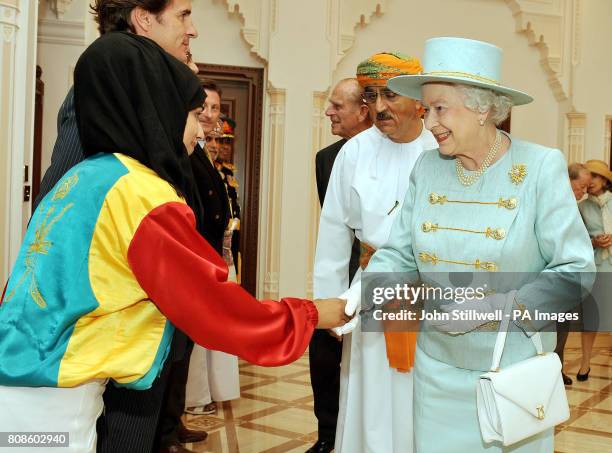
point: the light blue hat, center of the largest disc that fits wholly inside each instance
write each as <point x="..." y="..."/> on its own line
<point x="458" y="60"/>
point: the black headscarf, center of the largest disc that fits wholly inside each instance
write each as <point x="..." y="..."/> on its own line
<point x="132" y="97"/>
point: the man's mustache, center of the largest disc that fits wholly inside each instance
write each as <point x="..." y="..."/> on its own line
<point x="382" y="116"/>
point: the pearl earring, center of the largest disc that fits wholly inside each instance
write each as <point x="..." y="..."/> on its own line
<point x="481" y="122"/>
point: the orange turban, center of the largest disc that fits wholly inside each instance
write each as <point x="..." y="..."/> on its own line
<point x="376" y="70"/>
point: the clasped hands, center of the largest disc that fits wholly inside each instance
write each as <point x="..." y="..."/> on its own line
<point x="603" y="241"/>
<point x="332" y="313"/>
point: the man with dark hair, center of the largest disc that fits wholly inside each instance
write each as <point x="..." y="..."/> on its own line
<point x="210" y="185"/>
<point x="348" y="116"/>
<point x="131" y="417"/>
<point x="115" y="15"/>
<point x="211" y="110"/>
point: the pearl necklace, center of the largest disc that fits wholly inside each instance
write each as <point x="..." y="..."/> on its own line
<point x="469" y="180"/>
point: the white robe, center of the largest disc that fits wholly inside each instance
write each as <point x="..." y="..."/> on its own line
<point x="366" y="191"/>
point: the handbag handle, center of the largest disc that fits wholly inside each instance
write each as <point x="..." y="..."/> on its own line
<point x="503" y="333"/>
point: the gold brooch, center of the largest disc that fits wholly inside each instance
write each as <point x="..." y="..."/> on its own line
<point x="518" y="173"/>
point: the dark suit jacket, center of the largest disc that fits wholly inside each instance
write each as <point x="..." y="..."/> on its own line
<point x="324" y="164"/>
<point x="214" y="198"/>
<point x="67" y="151"/>
<point x="232" y="193"/>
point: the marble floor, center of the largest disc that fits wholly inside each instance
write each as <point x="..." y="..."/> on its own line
<point x="275" y="413"/>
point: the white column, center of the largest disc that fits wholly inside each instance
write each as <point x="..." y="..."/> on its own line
<point x="576" y="126"/>
<point x="274" y="191"/>
<point x="17" y="89"/>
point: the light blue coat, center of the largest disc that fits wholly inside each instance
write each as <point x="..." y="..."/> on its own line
<point x="591" y="214"/>
<point x="533" y="225"/>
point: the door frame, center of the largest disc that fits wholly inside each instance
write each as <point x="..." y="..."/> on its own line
<point x="249" y="222"/>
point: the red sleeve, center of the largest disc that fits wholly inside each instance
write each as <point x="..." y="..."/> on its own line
<point x="186" y="278"/>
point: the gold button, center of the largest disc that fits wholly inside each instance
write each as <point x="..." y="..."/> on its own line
<point x="217" y="217"/>
<point x="210" y="192"/>
<point x="435" y="198"/>
<point x="495" y="233"/>
<point x="512" y="203"/>
<point x="428" y="226"/>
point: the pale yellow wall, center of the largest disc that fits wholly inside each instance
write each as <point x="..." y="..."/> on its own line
<point x="219" y="39"/>
<point x="593" y="75"/>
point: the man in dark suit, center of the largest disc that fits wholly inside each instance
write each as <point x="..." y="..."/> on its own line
<point x="210" y="184"/>
<point x="349" y="116"/>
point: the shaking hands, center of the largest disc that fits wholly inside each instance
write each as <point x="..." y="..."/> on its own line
<point x="331" y="313"/>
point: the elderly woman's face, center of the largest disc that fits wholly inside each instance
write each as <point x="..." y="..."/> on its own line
<point x="454" y="126"/>
<point x="598" y="184"/>
<point x="581" y="184"/>
<point x="193" y="130"/>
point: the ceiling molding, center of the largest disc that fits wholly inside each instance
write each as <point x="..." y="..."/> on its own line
<point x="51" y="31"/>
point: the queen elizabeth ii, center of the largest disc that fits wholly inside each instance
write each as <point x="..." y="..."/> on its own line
<point x="485" y="201"/>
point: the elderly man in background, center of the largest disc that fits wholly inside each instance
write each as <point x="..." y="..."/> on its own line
<point x="366" y="191"/>
<point x="349" y="116"/>
<point x="580" y="178"/>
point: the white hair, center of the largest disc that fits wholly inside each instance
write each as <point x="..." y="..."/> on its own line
<point x="483" y="100"/>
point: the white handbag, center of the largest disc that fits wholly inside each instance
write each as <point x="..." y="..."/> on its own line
<point x="522" y="399"/>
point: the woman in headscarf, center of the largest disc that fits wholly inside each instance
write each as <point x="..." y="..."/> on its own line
<point x="596" y="212"/>
<point x="112" y="260"/>
<point x="483" y="202"/>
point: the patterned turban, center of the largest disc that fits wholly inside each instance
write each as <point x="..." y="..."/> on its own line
<point x="379" y="68"/>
